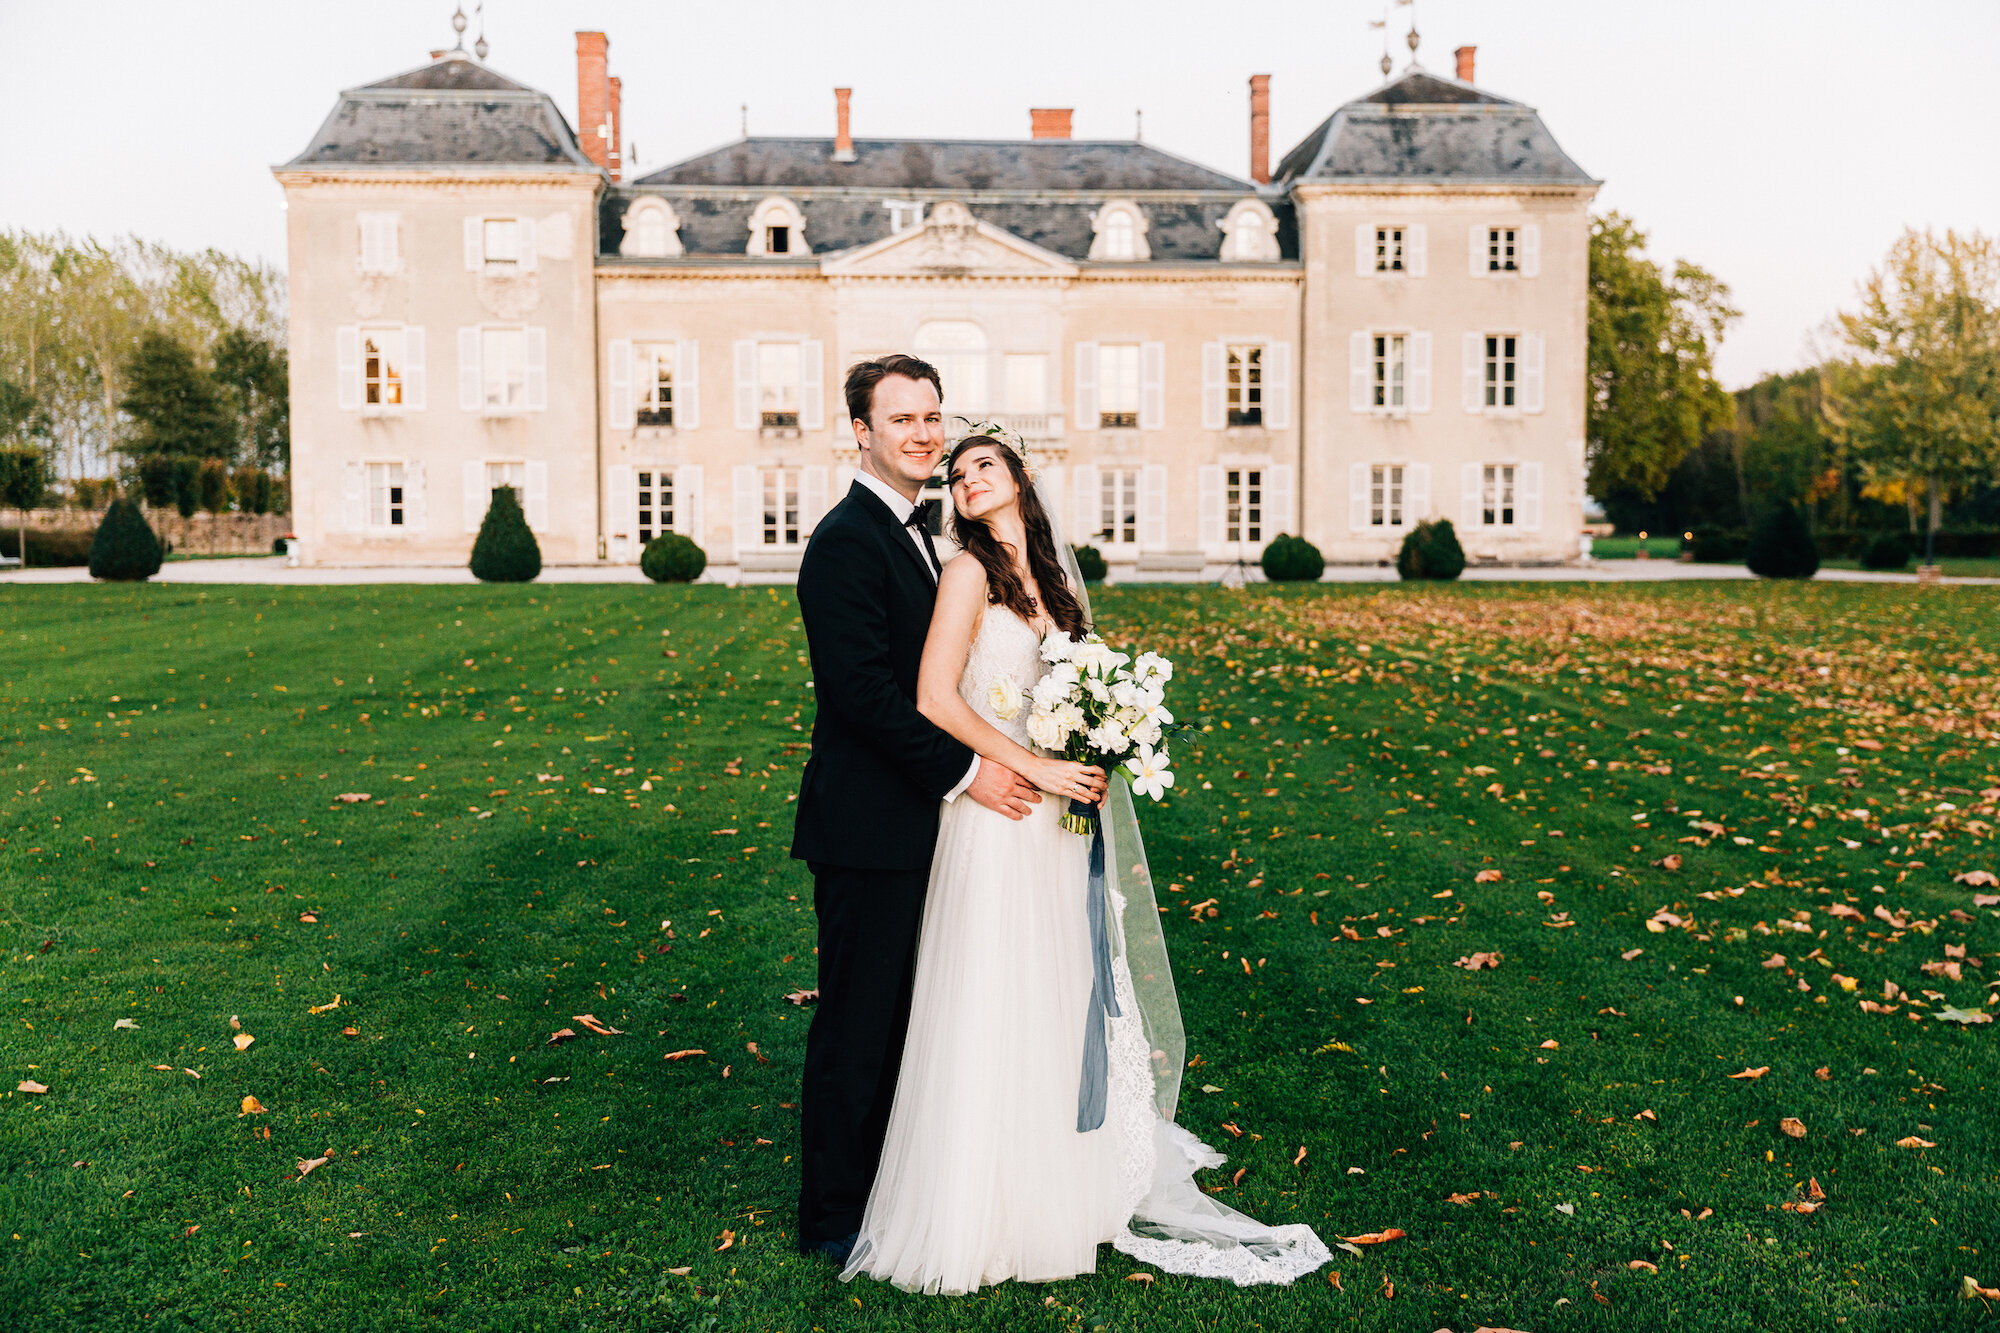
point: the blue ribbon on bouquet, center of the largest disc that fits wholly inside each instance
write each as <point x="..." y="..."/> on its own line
<point x="1091" y="1093"/>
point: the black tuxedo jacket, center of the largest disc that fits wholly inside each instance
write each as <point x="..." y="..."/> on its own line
<point x="869" y="797"/>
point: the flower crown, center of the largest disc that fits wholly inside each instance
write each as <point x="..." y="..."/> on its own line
<point x="995" y="431"/>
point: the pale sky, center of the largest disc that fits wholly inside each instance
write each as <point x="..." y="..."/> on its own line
<point x="1782" y="144"/>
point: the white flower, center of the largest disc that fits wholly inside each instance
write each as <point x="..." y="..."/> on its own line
<point x="1071" y="719"/>
<point x="1058" y="647"/>
<point x="1045" y="731"/>
<point x="1147" y="732"/>
<point x="1125" y="694"/>
<point x="1161" y="716"/>
<point x="1004" y="697"/>
<point x="1097" y="688"/>
<point x="1065" y="674"/>
<point x="1152" y="669"/>
<point x="1108" y="738"/>
<point x="1150" y="775"/>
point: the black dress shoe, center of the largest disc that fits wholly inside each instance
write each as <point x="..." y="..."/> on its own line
<point x="838" y="1250"/>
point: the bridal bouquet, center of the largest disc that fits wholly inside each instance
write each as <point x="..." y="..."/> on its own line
<point x="1098" y="706"/>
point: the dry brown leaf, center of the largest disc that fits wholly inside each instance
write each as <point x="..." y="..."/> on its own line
<point x="334" y="1003"/>
<point x="29" y="1085"/>
<point x="350" y="1032"/>
<point x="168" y="1068"/>
<point x="1474" y="961"/>
<point x="189" y="1072"/>
<point x="1300" y="1156"/>
<point x="1671" y="861"/>
<point x="308" y="918"/>
<point x="235" y="1023"/>
<point x="681" y="1055"/>
<point x="1977" y="878"/>
<point x="1144" y="1279"/>
<point x="1972" y="1291"/>
<point x="1463" y="1199"/>
<point x="352" y="797"/>
<point x="590" y="1021"/>
<point x="1550" y="1045"/>
<point x="1642" y="1266"/>
<point x="803" y="996"/>
<point x="1758" y="1072"/>
<point x="1793" y="1127"/>
<point x="728" y="1238"/>
<point x="1776" y="960"/>
<point x="1914" y="1142"/>
<point x="561" y="1034"/>
<point x="1630" y="954"/>
<point x="310" y="1164"/>
<point x="243" y="1040"/>
<point x="1647" y="1114"/>
<point x="251" y="1106"/>
<point x="1813" y="1191"/>
<point x="1333" y="1280"/>
<point x="1486" y="877"/>
<point x="1375" y="1237"/>
<point x="680" y="1272"/>
<point x="1986" y="900"/>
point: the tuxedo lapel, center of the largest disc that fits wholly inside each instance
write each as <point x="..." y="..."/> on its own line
<point x="871" y="504"/>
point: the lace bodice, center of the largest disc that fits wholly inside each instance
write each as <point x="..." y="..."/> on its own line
<point x="1006" y="645"/>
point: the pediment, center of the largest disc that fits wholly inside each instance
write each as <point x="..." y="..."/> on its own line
<point x="951" y="243"/>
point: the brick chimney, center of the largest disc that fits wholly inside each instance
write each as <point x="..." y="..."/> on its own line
<point x="1260" y="128"/>
<point x="1045" y="122"/>
<point x="593" y="96"/>
<point x="843" y="141"/>
<point x="615" y="151"/>
<point x="1464" y="54"/>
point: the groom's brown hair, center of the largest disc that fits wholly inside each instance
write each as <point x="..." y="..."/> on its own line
<point x="865" y="375"/>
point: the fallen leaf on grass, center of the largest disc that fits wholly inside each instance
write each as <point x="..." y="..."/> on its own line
<point x="590" y="1021"/>
<point x="29" y="1085"/>
<point x="1914" y="1142"/>
<point x="1375" y="1237"/>
<point x="1986" y="900"/>
<point x="1671" y="861"/>
<point x="1333" y="1280"/>
<point x="310" y="1164"/>
<point x="243" y="1040"/>
<point x="680" y="1272"/>
<point x="1776" y="960"/>
<point x="728" y="1238"/>
<point x="1793" y="1127"/>
<point x="1647" y="1114"/>
<point x="563" y="1034"/>
<point x="350" y="1032"/>
<point x="1145" y="1279"/>
<point x="352" y="797"/>
<point x="168" y="1068"/>
<point x="1486" y="877"/>
<point x="1950" y="1014"/>
<point x="251" y="1106"/>
<point x="123" y="1023"/>
<point x="681" y="1055"/>
<point x="1463" y="1199"/>
<point x="1301" y="1156"/>
<point x="235" y="1023"/>
<point x="1972" y="1291"/>
<point x="1813" y="1191"/>
<point x="1474" y="961"/>
<point x="1630" y="954"/>
<point x="1550" y="1045"/>
<point x="1642" y="1266"/>
<point x="803" y="996"/>
<point x="1977" y="878"/>
<point x="334" y="1003"/>
<point x="1758" y="1072"/>
<point x="308" y="918"/>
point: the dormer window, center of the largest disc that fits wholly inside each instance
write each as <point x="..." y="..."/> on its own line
<point x="777" y="240"/>
<point x="777" y="227"/>
<point x="1119" y="236"/>
<point x="1249" y="233"/>
<point x="1121" y="233"/>
<point x="651" y="230"/>
<point x="904" y="214"/>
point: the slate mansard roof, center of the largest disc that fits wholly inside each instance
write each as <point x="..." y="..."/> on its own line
<point x="1421" y="128"/>
<point x="453" y="112"/>
<point x="1109" y="166"/>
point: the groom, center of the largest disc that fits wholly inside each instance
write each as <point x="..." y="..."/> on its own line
<point x="867" y="819"/>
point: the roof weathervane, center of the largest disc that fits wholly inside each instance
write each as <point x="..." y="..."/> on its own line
<point x="480" y="48"/>
<point x="1382" y="25"/>
<point x="458" y="26"/>
<point x="1413" y="38"/>
<point x="1139" y="125"/>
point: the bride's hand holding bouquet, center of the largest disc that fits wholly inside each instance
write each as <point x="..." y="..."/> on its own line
<point x="1097" y="705"/>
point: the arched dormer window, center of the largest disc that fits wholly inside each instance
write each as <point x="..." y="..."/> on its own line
<point x="777" y="228"/>
<point x="1249" y="233"/>
<point x="1121" y="233"/>
<point x="652" y="231"/>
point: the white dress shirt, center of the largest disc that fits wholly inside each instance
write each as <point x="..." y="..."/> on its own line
<point x="901" y="509"/>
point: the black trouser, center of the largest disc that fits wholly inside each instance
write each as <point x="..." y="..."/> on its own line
<point x="868" y="922"/>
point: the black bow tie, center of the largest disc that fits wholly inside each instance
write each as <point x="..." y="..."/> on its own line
<point x="916" y="519"/>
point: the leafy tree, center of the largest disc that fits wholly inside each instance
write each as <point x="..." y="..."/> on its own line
<point x="157" y="480"/>
<point x="1650" y="359"/>
<point x="174" y="405"/>
<point x="187" y="486"/>
<point x="505" y="551"/>
<point x="212" y="485"/>
<point x="1917" y="401"/>
<point x="255" y="381"/>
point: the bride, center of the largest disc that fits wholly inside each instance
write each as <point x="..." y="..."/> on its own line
<point x="988" y="1171"/>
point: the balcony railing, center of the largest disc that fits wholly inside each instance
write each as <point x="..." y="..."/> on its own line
<point x="1030" y="426"/>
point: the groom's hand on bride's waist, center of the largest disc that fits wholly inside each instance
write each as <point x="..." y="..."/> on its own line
<point x="1001" y="789"/>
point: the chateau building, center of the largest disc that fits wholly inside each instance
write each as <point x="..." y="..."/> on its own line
<point x="1197" y="362"/>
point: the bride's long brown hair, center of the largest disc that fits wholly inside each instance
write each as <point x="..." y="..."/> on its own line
<point x="1004" y="584"/>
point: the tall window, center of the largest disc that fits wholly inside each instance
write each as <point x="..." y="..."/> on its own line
<point x="1120" y="235"/>
<point x="778" y="383"/>
<point x="1118" y="506"/>
<point x="958" y="349"/>
<point x="777" y="240"/>
<point x="656" y="505"/>
<point x="385" y="495"/>
<point x="1500" y="250"/>
<point x="501" y="239"/>
<point x="1243" y="504"/>
<point x="1385" y="495"/>
<point x="1027" y="388"/>
<point x="1389" y="370"/>
<point x="653" y="363"/>
<point x="503" y="361"/>
<point x="1500" y="369"/>
<point x="1388" y="249"/>
<point x="1497" y="495"/>
<point x="512" y="476"/>
<point x="382" y="367"/>
<point x="1117" y="385"/>
<point x="781" y="506"/>
<point x="1246" y="386"/>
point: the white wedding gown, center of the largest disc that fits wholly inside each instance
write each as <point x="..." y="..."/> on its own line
<point x="984" y="1176"/>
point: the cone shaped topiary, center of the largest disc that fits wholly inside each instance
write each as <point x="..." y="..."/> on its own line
<point x="1782" y="546"/>
<point x="505" y="551"/>
<point x="124" y="549"/>
<point x="1431" y="551"/>
<point x="1289" y="559"/>
<point x="672" y="558"/>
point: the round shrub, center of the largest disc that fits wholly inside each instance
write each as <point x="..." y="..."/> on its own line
<point x="1886" y="550"/>
<point x="124" y="548"/>
<point x="1090" y="564"/>
<point x="1782" y="546"/>
<point x="1431" y="551"/>
<point x="1289" y="559"/>
<point x="1717" y="546"/>
<point x="505" y="550"/>
<point x="672" y="558"/>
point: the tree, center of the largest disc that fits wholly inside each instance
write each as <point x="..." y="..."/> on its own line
<point x="124" y="548"/>
<point x="174" y="405"/>
<point x="1650" y="360"/>
<point x="1918" y="399"/>
<point x="505" y="551"/>
<point x="255" y="381"/>
<point x="24" y="429"/>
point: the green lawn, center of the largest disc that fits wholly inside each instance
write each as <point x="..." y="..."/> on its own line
<point x="173" y="850"/>
<point x="1969" y="568"/>
<point x="1627" y="547"/>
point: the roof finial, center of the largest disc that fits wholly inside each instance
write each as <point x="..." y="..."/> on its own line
<point x="1139" y="125"/>
<point x="458" y="26"/>
<point x="480" y="48"/>
<point x="1413" y="38"/>
<point x="1382" y="25"/>
<point x="744" y="111"/>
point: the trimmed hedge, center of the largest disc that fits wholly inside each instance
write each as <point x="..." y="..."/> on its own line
<point x="1090" y="563"/>
<point x="672" y="558"/>
<point x="505" y="550"/>
<point x="49" y="548"/>
<point x="1782" y="546"/>
<point x="1717" y="546"/>
<point x="1289" y="559"/>
<point x="125" y="549"/>
<point x="1888" y="550"/>
<point x="1431" y="551"/>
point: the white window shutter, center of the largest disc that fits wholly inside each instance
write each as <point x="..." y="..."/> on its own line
<point x="1476" y="249"/>
<point x="524" y="245"/>
<point x="538" y="368"/>
<point x="619" y="409"/>
<point x="1420" y="372"/>
<point x="1416" y="250"/>
<point x="744" y="530"/>
<point x="1357" y="496"/>
<point x="1472" y="373"/>
<point x="1470" y="506"/>
<point x="1417" y="498"/>
<point x="1209" y="509"/>
<point x="746" y="384"/>
<point x="1153" y="507"/>
<point x="353" y="497"/>
<point x="416" y="376"/>
<point x="1086" y="386"/>
<point x="1528" y="497"/>
<point x="1532" y="349"/>
<point x="1364" y="249"/>
<point x="687" y="385"/>
<point x="538" y="496"/>
<point x="1152" y="386"/>
<point x="812" y="498"/>
<point x="812" y="385"/>
<point x="475" y="245"/>
<point x="621" y="503"/>
<point x="478" y="496"/>
<point x="416" y="501"/>
<point x="365" y="226"/>
<point x="688" y="519"/>
<point x="392" y="242"/>
<point x="1278" y="501"/>
<point x="1084" y="503"/>
<point x="347" y="366"/>
<point x="1357" y="371"/>
<point x="469" y="390"/>
<point x="1278" y="385"/>
<point x="1214" y="388"/>
<point x="1530" y="251"/>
